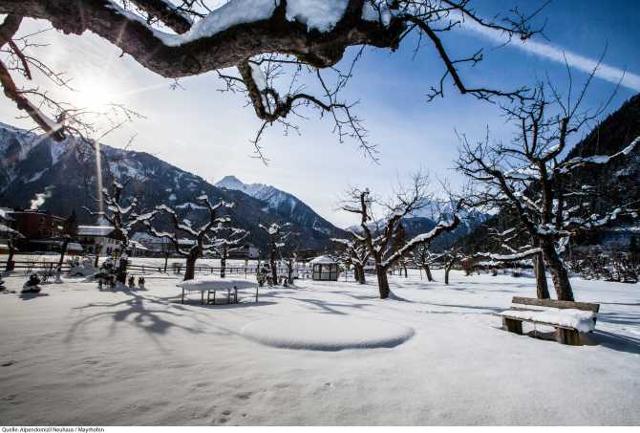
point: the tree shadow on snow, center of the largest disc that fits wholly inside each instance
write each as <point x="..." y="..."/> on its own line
<point x="329" y="307"/>
<point x="620" y="343"/>
<point x="137" y="310"/>
<point x="477" y="309"/>
<point x="621" y="303"/>
<point x="619" y="318"/>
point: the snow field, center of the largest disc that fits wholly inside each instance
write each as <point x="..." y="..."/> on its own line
<point x="78" y="355"/>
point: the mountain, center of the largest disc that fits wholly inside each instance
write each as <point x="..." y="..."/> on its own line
<point x="279" y="202"/>
<point x="37" y="172"/>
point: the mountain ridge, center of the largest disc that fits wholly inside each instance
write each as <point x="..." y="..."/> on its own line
<point x="61" y="176"/>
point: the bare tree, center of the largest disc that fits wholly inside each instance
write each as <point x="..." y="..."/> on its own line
<point x="228" y="240"/>
<point x="378" y="234"/>
<point x="528" y="178"/>
<point x="278" y="235"/>
<point x="513" y="244"/>
<point x="192" y="242"/>
<point x="423" y="258"/>
<point x="275" y="50"/>
<point x="450" y="257"/>
<point x="357" y="254"/>
<point x="122" y="213"/>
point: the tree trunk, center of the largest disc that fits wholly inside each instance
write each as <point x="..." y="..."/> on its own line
<point x="383" y="282"/>
<point x="290" y="271"/>
<point x="447" y="268"/>
<point x="559" y="273"/>
<point x="274" y="271"/>
<point x="223" y="263"/>
<point x="65" y="244"/>
<point x="166" y="260"/>
<point x="10" y="263"/>
<point x="427" y="270"/>
<point x="358" y="271"/>
<point x="541" y="277"/>
<point x="121" y="272"/>
<point x="406" y="274"/>
<point x="98" y="250"/>
<point x="190" y="271"/>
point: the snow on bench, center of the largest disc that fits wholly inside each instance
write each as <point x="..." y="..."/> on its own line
<point x="569" y="318"/>
<point x="211" y="284"/>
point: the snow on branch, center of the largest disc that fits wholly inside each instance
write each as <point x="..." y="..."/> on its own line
<point x="424" y="238"/>
<point x="182" y="38"/>
<point x="521" y="255"/>
<point x="580" y="161"/>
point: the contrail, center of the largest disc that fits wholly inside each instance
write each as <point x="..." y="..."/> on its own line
<point x="556" y="54"/>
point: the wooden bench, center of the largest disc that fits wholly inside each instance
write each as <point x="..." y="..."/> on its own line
<point x="570" y="319"/>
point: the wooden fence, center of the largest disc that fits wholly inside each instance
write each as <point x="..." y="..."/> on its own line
<point x="28" y="266"/>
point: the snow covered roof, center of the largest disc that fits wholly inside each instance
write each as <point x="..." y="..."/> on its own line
<point x="95" y="230"/>
<point x="74" y="246"/>
<point x="323" y="260"/>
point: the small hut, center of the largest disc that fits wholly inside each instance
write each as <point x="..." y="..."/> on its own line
<point x="324" y="268"/>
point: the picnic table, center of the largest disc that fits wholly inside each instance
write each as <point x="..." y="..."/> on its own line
<point x="209" y="286"/>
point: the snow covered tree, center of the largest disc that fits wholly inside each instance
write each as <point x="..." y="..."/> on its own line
<point x="450" y="257"/>
<point x="528" y="178"/>
<point x="422" y="257"/>
<point x="192" y="242"/>
<point x="355" y="253"/>
<point x="277" y="235"/>
<point x="514" y="245"/>
<point x="228" y="239"/>
<point x="399" y="239"/>
<point x="274" y="45"/>
<point x="122" y="213"/>
<point x="378" y="234"/>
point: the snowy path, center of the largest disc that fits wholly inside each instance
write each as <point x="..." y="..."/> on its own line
<point x="81" y="356"/>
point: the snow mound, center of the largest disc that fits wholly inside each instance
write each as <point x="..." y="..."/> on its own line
<point x="326" y="333"/>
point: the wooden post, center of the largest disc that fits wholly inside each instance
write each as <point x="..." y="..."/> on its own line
<point x="512" y="325"/>
<point x="568" y="336"/>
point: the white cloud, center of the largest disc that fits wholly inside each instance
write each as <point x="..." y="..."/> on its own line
<point x="556" y="54"/>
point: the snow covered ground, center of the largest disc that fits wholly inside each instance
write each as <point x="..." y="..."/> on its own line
<point x="81" y="356"/>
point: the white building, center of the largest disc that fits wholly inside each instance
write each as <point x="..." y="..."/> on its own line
<point x="100" y="239"/>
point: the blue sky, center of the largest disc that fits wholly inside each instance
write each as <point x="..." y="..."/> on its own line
<point x="207" y="132"/>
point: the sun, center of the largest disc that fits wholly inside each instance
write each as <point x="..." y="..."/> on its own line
<point x="93" y="95"/>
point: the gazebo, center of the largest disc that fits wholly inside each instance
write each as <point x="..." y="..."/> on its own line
<point x="324" y="268"/>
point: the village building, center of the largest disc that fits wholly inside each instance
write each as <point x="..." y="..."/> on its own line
<point x="98" y="239"/>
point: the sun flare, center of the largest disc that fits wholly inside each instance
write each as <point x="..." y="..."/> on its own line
<point x="94" y="95"/>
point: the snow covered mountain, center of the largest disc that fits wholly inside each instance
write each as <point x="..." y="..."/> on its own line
<point x="60" y="177"/>
<point x="280" y="202"/>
